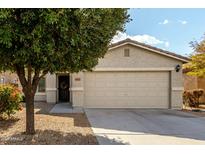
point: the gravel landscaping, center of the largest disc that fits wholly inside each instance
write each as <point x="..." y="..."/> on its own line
<point x="50" y="128"/>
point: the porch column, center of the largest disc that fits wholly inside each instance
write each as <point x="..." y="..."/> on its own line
<point x="51" y="88"/>
<point x="77" y="89"/>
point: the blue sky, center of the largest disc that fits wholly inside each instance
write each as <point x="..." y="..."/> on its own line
<point x="170" y="29"/>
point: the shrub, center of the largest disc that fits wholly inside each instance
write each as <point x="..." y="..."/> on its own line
<point x="197" y="94"/>
<point x="10" y="100"/>
<point x="191" y="98"/>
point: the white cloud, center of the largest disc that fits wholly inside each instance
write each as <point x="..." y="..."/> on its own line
<point x="183" y="22"/>
<point x="166" y="44"/>
<point x="166" y="21"/>
<point x="147" y="39"/>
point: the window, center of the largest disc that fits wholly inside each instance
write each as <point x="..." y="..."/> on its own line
<point x="126" y="52"/>
<point x="42" y="85"/>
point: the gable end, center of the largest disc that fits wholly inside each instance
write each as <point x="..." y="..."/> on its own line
<point x="149" y="48"/>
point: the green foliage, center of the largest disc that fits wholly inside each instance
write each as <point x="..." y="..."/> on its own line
<point x="10" y="100"/>
<point x="34" y="42"/>
<point x="191" y="98"/>
<point x="196" y="66"/>
<point x="57" y="39"/>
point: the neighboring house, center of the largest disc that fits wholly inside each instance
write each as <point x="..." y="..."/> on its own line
<point x="8" y="77"/>
<point x="131" y="75"/>
<point x="12" y="78"/>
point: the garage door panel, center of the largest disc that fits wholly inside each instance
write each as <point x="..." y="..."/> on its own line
<point x="133" y="93"/>
<point x="127" y="89"/>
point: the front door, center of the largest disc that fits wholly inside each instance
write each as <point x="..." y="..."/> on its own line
<point x="63" y="88"/>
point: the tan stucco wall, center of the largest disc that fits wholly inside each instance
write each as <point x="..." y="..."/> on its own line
<point x="77" y="89"/>
<point x="40" y="97"/>
<point x="176" y="89"/>
<point x="139" y="59"/>
<point x="51" y="88"/>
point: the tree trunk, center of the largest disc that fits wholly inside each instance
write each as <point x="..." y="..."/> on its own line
<point x="29" y="85"/>
<point x="30" y="129"/>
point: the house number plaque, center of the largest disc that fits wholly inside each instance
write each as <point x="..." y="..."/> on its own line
<point x="77" y="79"/>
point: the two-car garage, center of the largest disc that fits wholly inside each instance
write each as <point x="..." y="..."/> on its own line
<point x="127" y="89"/>
<point x="131" y="75"/>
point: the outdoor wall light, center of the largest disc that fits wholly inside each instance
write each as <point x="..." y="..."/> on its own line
<point x="177" y="68"/>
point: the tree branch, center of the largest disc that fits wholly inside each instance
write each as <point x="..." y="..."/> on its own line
<point x="44" y="73"/>
<point x="37" y="77"/>
<point x="29" y="75"/>
<point x="20" y="70"/>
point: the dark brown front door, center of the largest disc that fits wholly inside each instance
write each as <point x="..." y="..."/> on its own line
<point x="63" y="88"/>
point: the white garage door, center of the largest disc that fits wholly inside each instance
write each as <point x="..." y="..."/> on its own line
<point x="127" y="89"/>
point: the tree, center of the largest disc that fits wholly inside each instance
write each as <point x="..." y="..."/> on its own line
<point x="34" y="42"/>
<point x="196" y="67"/>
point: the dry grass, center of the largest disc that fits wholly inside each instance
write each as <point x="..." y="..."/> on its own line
<point x="50" y="128"/>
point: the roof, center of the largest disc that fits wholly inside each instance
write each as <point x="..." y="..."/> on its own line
<point x="150" y="48"/>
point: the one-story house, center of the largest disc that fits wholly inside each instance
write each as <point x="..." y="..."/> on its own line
<point x="131" y="75"/>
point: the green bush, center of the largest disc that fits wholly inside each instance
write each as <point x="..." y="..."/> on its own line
<point x="191" y="98"/>
<point x="10" y="100"/>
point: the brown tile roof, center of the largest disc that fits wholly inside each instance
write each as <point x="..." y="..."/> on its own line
<point x="185" y="59"/>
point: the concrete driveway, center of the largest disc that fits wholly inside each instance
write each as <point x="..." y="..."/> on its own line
<point x="146" y="126"/>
